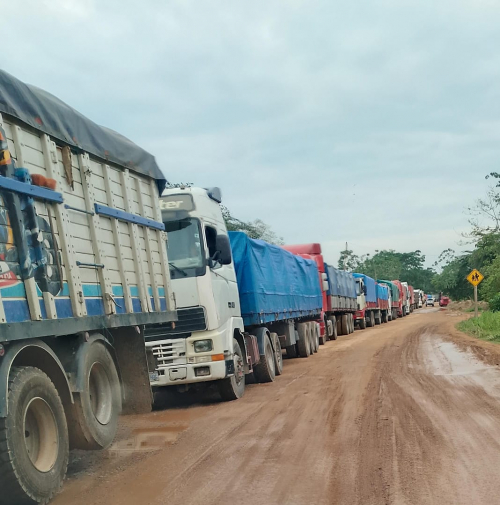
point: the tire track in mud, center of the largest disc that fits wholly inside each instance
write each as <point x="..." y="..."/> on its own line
<point x="389" y="415"/>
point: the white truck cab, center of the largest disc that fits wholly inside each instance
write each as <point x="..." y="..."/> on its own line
<point x="200" y="346"/>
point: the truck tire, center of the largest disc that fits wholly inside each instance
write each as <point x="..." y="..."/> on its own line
<point x="34" y="443"/>
<point x="291" y="351"/>
<point x="362" y="323"/>
<point x="314" y="337"/>
<point x="371" y="319"/>
<point x="265" y="371"/>
<point x="317" y="331"/>
<point x="93" y="420"/>
<point x="232" y="388"/>
<point x="384" y="316"/>
<point x="278" y="355"/>
<point x="304" y="343"/>
<point x="378" y="317"/>
<point x="345" y="324"/>
<point x="333" y="319"/>
<point x="351" y="322"/>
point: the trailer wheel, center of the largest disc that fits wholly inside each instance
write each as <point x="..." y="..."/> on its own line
<point x="93" y="420"/>
<point x="345" y="324"/>
<point x="362" y="323"/>
<point x="34" y="444"/>
<point x="333" y="319"/>
<point x="371" y="320"/>
<point x="351" y="322"/>
<point x="315" y="331"/>
<point x="232" y="388"/>
<point x="278" y="356"/>
<point x="265" y="370"/>
<point x="304" y="343"/>
<point x="291" y="351"/>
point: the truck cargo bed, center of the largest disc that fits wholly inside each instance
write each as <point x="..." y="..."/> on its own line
<point x="273" y="284"/>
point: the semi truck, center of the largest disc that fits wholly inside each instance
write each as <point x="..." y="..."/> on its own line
<point x="371" y="308"/>
<point x="403" y="295"/>
<point x="338" y="294"/>
<point x="84" y="269"/>
<point x="411" y="298"/>
<point x="239" y="301"/>
<point x="394" y="296"/>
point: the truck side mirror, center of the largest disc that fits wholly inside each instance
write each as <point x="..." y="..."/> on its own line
<point x="223" y="248"/>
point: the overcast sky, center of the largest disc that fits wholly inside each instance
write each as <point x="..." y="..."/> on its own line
<point x="371" y="122"/>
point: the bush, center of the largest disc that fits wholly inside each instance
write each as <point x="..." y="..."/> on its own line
<point x="495" y="303"/>
<point x="485" y="327"/>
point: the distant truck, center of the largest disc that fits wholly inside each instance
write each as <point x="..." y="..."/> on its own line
<point x="394" y="297"/>
<point x="411" y="292"/>
<point x="338" y="294"/>
<point x="239" y="301"/>
<point x="373" y="302"/>
<point x="83" y="270"/>
<point x="403" y="293"/>
<point x="444" y="301"/>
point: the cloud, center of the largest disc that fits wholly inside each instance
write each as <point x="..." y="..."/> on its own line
<point x="370" y="122"/>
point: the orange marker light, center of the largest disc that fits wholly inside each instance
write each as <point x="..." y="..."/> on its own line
<point x="218" y="357"/>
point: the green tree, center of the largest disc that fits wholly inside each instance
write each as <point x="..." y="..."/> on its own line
<point x="256" y="229"/>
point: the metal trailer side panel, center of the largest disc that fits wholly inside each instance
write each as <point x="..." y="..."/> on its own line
<point x="104" y="246"/>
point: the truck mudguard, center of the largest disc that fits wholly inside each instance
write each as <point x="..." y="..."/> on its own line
<point x="273" y="284"/>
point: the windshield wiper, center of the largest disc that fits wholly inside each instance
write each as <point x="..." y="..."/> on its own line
<point x="180" y="270"/>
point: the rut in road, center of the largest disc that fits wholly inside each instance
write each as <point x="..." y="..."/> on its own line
<point x="391" y="415"/>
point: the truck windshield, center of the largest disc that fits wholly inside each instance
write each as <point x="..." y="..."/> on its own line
<point x="184" y="247"/>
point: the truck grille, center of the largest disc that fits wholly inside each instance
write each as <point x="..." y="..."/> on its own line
<point x="189" y="320"/>
<point x="170" y="353"/>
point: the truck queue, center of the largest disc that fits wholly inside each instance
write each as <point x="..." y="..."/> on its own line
<point x="112" y="287"/>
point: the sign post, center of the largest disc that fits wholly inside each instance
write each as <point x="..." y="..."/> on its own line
<point x="475" y="277"/>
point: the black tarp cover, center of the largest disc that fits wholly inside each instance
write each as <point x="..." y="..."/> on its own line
<point x="46" y="113"/>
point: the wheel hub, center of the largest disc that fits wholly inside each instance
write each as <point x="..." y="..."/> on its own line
<point x="41" y="436"/>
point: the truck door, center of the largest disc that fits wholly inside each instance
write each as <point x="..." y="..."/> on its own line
<point x="225" y="296"/>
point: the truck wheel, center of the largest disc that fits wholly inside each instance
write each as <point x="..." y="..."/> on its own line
<point x="265" y="371"/>
<point x="93" y="420"/>
<point x="316" y="333"/>
<point x="351" y="323"/>
<point x="278" y="355"/>
<point x="232" y="388"/>
<point x="333" y="319"/>
<point x="345" y="324"/>
<point x="378" y="317"/>
<point x="304" y="343"/>
<point x="371" y="320"/>
<point x="313" y="335"/>
<point x="34" y="444"/>
<point x="362" y="323"/>
<point x="291" y="351"/>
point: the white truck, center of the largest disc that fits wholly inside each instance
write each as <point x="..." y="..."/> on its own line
<point x="84" y="270"/>
<point x="217" y="338"/>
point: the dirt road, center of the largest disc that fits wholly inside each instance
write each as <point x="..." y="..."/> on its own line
<point x="397" y="414"/>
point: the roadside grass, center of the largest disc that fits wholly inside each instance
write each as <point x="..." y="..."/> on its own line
<point x="486" y="326"/>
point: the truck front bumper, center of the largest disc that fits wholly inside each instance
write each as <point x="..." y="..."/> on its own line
<point x="191" y="373"/>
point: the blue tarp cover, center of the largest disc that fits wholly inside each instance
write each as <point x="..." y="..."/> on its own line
<point x="273" y="284"/>
<point x="340" y="283"/>
<point x="371" y="290"/>
<point x="382" y="292"/>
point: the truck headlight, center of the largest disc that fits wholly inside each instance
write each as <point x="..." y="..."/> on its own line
<point x="203" y="345"/>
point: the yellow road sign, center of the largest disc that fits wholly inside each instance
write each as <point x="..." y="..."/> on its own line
<point x="475" y="277"/>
